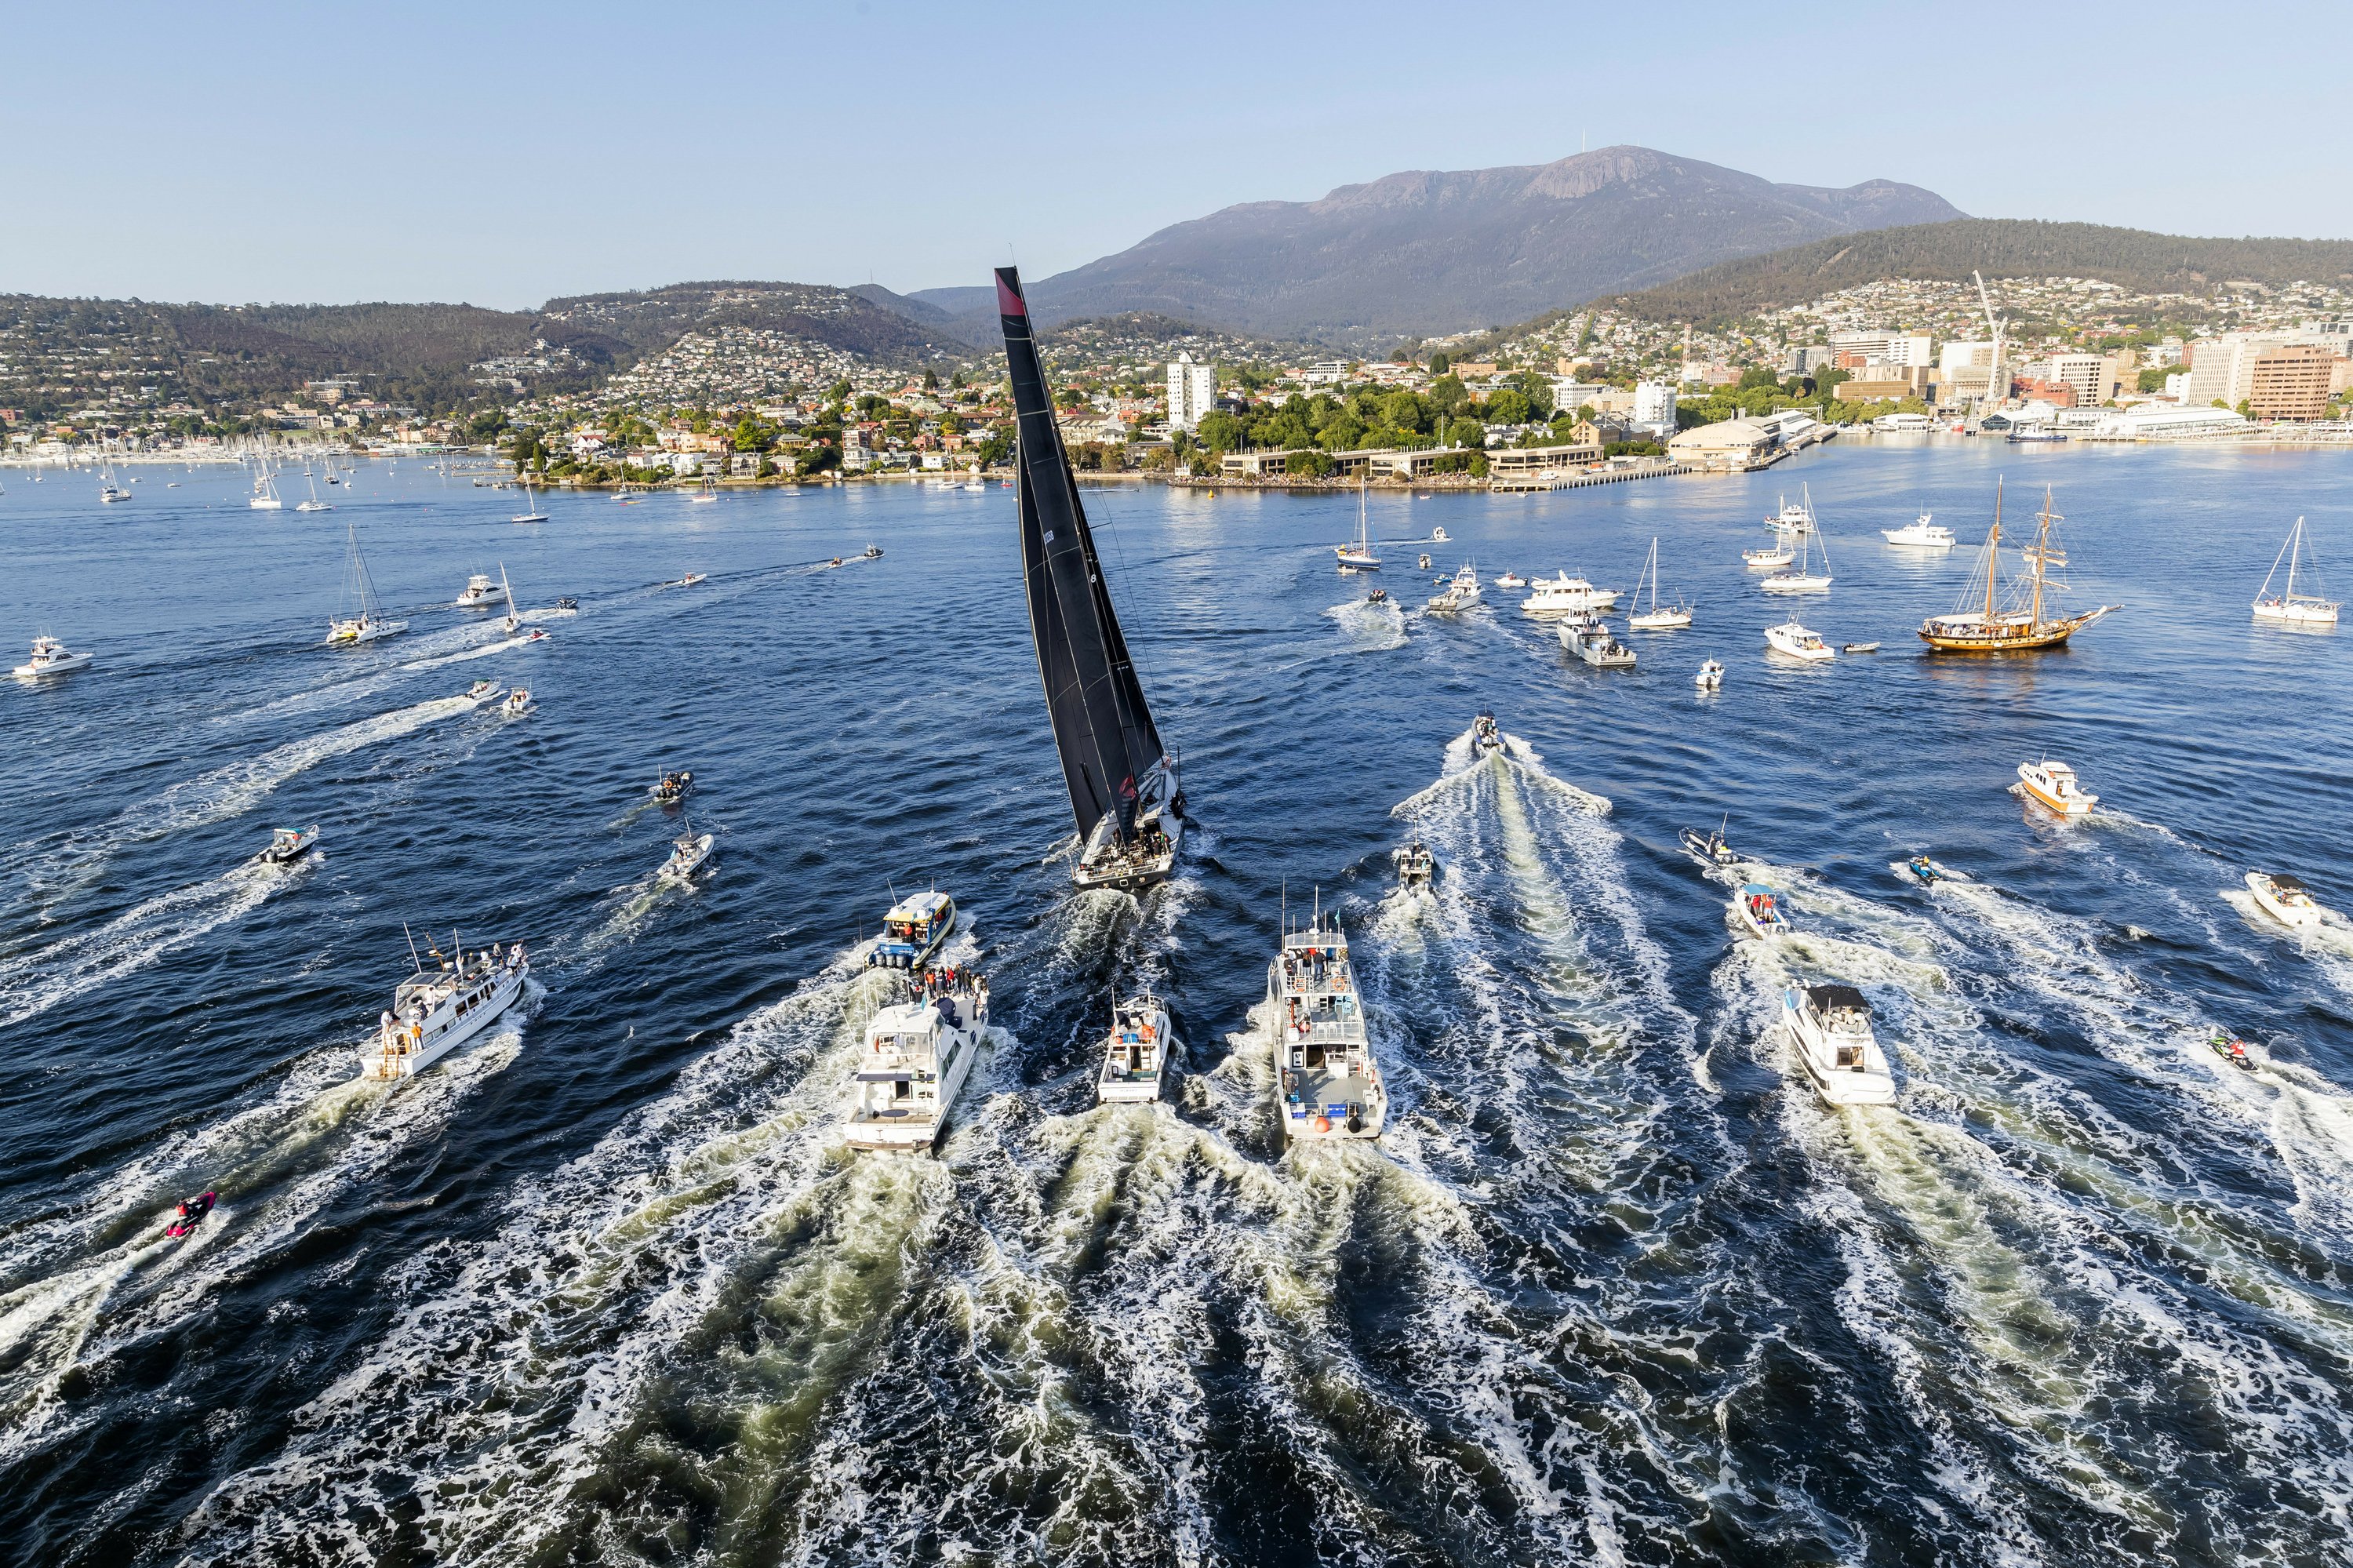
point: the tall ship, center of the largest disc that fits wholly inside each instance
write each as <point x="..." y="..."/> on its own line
<point x="918" y="1053"/>
<point x="1987" y="621"/>
<point x="1326" y="1084"/>
<point x="1125" y="791"/>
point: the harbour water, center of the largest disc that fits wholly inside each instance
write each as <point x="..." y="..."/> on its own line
<point x="1614" y="1287"/>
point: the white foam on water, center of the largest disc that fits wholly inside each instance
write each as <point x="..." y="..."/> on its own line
<point x="502" y="645"/>
<point x="1369" y="628"/>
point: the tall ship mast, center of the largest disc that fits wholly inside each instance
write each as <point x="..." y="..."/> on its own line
<point x="1987" y="621"/>
<point x="1125" y="792"/>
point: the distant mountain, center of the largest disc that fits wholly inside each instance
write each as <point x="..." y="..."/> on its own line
<point x="2001" y="248"/>
<point x="1419" y="254"/>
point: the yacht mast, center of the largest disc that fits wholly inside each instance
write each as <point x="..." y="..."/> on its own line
<point x="1993" y="551"/>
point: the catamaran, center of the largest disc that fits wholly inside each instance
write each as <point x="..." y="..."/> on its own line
<point x="359" y="592"/>
<point x="1672" y="618"/>
<point x="1326" y="1083"/>
<point x="1977" y="626"/>
<point x="1137" y="1051"/>
<point x="2290" y="608"/>
<point x="1359" y="557"/>
<point x="1124" y="790"/>
<point x="918" y="1053"/>
<point x="436" y="1011"/>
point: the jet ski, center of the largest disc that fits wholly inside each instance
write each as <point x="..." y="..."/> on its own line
<point x="191" y="1214"/>
<point x="2231" y="1050"/>
<point x="1927" y="870"/>
<point x="1379" y="596"/>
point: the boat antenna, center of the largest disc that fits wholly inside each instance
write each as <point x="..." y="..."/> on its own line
<point x="1284" y="906"/>
<point x="458" y="946"/>
<point x="893" y="887"/>
<point x="415" y="961"/>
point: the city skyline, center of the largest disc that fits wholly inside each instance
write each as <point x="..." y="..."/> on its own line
<point x="542" y="153"/>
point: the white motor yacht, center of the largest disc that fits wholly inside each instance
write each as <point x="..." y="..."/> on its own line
<point x="1565" y="595"/>
<point x="1511" y="580"/>
<point x="1590" y="640"/>
<point x="482" y="592"/>
<point x="1796" y="518"/>
<point x="287" y="845"/>
<point x="1710" y="677"/>
<point x="1923" y="535"/>
<point x="913" y="930"/>
<point x="1326" y="1084"/>
<point x="482" y="692"/>
<point x="1137" y="1051"/>
<point x="51" y="657"/>
<point x="917" y="1056"/>
<point x="2285" y="898"/>
<point x="436" y="1011"/>
<point x="687" y="854"/>
<point x="2054" y="785"/>
<point x="1797" y="642"/>
<point x="1462" y="592"/>
<point x="1829" y="1031"/>
<point x="1757" y="908"/>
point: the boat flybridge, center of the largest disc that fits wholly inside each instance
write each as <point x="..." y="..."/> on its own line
<point x="1565" y="595"/>
<point x="1326" y="1084"/>
<point x="1829" y="1031"/>
<point x="918" y="1053"/>
<point x="1923" y="535"/>
<point x="2289" y="608"/>
<point x="1358" y="557"/>
<point x="1798" y="642"/>
<point x="1588" y="638"/>
<point x="1462" y="592"/>
<point x="1125" y="794"/>
<point x="912" y="931"/>
<point x="482" y="592"/>
<point x="1137" y="1051"/>
<point x="2285" y="898"/>
<point x="436" y="1011"/>
<point x="51" y="657"/>
<point x="359" y="594"/>
<point x="1797" y="518"/>
<point x="2056" y="786"/>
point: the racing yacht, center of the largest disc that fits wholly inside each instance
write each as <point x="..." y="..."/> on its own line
<point x="436" y="1011"/>
<point x="918" y="1051"/>
<point x="1326" y="1084"/>
<point x="1829" y="1031"/>
<point x="1136" y="1051"/>
<point x="359" y="593"/>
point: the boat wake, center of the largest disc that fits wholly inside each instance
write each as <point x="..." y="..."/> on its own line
<point x="1369" y="628"/>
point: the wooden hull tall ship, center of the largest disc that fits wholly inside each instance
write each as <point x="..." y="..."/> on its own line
<point x="1985" y="621"/>
<point x="1123" y="786"/>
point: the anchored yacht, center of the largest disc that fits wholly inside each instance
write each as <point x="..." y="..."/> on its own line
<point x="1326" y="1084"/>
<point x="51" y="657"/>
<point x="1565" y="595"/>
<point x="1923" y="535"/>
<point x="2290" y="608"/>
<point x="1797" y="518"/>
<point x="913" y="930"/>
<point x="436" y="1011"/>
<point x="1137" y="1051"/>
<point x="1658" y="617"/>
<point x="1829" y="1030"/>
<point x="2285" y="898"/>
<point x="917" y="1056"/>
<point x="1511" y="580"/>
<point x="1797" y="642"/>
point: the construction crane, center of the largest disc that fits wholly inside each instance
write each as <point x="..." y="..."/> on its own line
<point x="1993" y="372"/>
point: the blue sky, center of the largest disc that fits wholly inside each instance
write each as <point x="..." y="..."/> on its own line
<point x="502" y="155"/>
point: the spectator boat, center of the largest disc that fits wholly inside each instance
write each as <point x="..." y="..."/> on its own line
<point x="436" y="1011"/>
<point x="1830" y="1028"/>
<point x="2285" y="898"/>
<point x="1136" y="1052"/>
<point x="1326" y="1084"/>
<point x="2290" y="608"/>
<point x="1923" y="535"/>
<point x="918" y="1053"/>
<point x="1797" y="642"/>
<point x="51" y="657"/>
<point x="2056" y="786"/>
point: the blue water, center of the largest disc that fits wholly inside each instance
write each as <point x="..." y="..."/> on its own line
<point x="604" y="1287"/>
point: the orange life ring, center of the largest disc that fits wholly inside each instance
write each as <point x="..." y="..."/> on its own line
<point x="1147" y="1033"/>
<point x="1323" y="1124"/>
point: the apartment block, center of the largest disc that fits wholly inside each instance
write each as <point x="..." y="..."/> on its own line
<point x="2290" y="381"/>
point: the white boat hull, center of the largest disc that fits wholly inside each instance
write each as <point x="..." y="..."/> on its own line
<point x="2289" y="613"/>
<point x="919" y="1130"/>
<point x="1870" y="1084"/>
<point x="2267" y="897"/>
<point x="2074" y="804"/>
<point x="399" y="1053"/>
<point x="1134" y="1068"/>
<point x="678" y="869"/>
<point x="1659" y="620"/>
<point x="1796" y="583"/>
<point x="1789" y="646"/>
<point x="56" y="666"/>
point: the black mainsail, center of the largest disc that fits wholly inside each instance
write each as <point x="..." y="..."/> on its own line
<point x="1111" y="757"/>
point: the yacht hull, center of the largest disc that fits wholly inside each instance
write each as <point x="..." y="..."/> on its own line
<point x="1817" y="1054"/>
<point x="399" y="1054"/>
<point x="2267" y="897"/>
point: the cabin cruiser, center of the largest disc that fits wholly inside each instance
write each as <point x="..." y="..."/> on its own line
<point x="1923" y="535"/>
<point x="1511" y="580"/>
<point x="1460" y="593"/>
<point x="2285" y="898"/>
<point x="482" y="592"/>
<point x="517" y="702"/>
<point x="1565" y="595"/>
<point x="1797" y="642"/>
<point x="912" y="931"/>
<point x="687" y="854"/>
<point x="1774" y="555"/>
<point x="436" y="1011"/>
<point x="1416" y="866"/>
<point x="918" y="1053"/>
<point x="1710" y="677"/>
<point x="1137" y="1051"/>
<point x="1711" y="847"/>
<point x="567" y="605"/>
<point x="51" y="657"/>
<point x="1484" y="736"/>
<point x="482" y="692"/>
<point x="2054" y="784"/>
<point x="1829" y="1030"/>
<point x="1326" y="1084"/>
<point x="1758" y="908"/>
<point x="675" y="785"/>
<point x="1590" y="640"/>
<point x="290" y="844"/>
<point x="1794" y="517"/>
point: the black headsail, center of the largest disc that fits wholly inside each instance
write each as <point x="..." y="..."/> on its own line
<point x="1102" y="726"/>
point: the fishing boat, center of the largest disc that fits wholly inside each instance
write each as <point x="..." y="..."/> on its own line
<point x="1511" y="580"/>
<point x="1805" y="578"/>
<point x="436" y="1011"/>
<point x="368" y="623"/>
<point x="1565" y="595"/>
<point x="530" y="511"/>
<point x="687" y="854"/>
<point x="2056" y="786"/>
<point x="1757" y="908"/>
<point x="51" y="657"/>
<point x="2021" y="622"/>
<point x="480" y="692"/>
<point x="693" y="577"/>
<point x="1484" y="736"/>
<point x="1587" y="637"/>
<point x="1712" y="848"/>
<point x="1136" y="1052"/>
<point x="1416" y="866"/>
<point x="2290" y="608"/>
<point x="287" y="845"/>
<point x="517" y="702"/>
<point x="1797" y="642"/>
<point x="1923" y="535"/>
<point x="1710" y="677"/>
<point x="1460" y="592"/>
<point x="675" y="785"/>
<point x="1125" y="793"/>
<point x="917" y="1054"/>
<point x="1358" y="557"/>
<point x="1326" y="1084"/>
<point x="2285" y="898"/>
<point x="482" y="592"/>
<point x="1669" y="617"/>
<point x="912" y="931"/>
<point x="1829" y="1030"/>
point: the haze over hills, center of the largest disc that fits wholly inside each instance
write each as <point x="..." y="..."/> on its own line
<point x="1421" y="253"/>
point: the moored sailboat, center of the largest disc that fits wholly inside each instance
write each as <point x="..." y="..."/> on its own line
<point x="1670" y="618"/>
<point x="359" y="594"/>
<point x="1124" y="790"/>
<point x="1358" y="557"/>
<point x="2289" y="608"/>
<point x="1979" y="625"/>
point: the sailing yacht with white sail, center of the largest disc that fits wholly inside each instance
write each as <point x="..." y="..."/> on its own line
<point x="361" y="620"/>
<point x="314" y="504"/>
<point x="265" y="492"/>
<point x="1359" y="557"/>
<point x="2289" y="608"/>
<point x="1669" y="618"/>
<point x="1804" y="578"/>
<point x="531" y="513"/>
<point x="1124" y="789"/>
